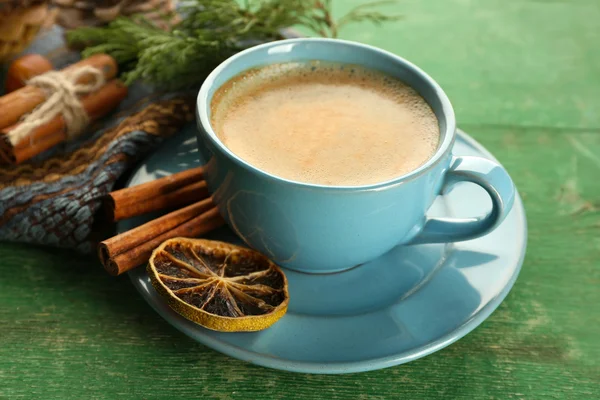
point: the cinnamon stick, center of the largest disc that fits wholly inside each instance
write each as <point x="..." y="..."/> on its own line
<point x="171" y="191"/>
<point x="177" y="198"/>
<point x="42" y="138"/>
<point x="132" y="248"/>
<point x="22" y="101"/>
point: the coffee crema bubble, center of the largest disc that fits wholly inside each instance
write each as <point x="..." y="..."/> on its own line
<point x="325" y="123"/>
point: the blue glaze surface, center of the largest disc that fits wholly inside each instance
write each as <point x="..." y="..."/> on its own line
<point x="406" y="304"/>
<point x="323" y="229"/>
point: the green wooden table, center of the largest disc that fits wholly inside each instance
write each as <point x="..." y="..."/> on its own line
<point x="524" y="76"/>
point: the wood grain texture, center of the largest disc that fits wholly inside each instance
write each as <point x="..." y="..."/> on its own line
<point x="524" y="77"/>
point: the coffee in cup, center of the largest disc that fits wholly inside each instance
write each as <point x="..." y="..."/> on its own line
<point x="325" y="123"/>
<point x="304" y="195"/>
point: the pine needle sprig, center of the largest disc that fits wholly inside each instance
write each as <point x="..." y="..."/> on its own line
<point x="367" y="13"/>
<point x="209" y="32"/>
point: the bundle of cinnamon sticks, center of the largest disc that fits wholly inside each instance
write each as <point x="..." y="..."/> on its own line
<point x="133" y="248"/>
<point x="20" y="102"/>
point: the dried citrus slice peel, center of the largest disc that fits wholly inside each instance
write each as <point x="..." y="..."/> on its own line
<point x="219" y="285"/>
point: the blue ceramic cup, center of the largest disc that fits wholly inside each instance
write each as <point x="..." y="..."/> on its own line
<point x="317" y="228"/>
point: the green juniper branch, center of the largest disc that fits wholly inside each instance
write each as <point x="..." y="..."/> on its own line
<point x="210" y="31"/>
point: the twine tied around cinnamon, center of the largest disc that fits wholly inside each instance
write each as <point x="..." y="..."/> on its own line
<point x="62" y="91"/>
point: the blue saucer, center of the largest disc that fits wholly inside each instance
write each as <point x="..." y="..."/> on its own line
<point x="376" y="315"/>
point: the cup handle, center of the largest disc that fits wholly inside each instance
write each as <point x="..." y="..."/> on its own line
<point x="490" y="176"/>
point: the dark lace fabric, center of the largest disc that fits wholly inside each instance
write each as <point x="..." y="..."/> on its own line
<point x="54" y="199"/>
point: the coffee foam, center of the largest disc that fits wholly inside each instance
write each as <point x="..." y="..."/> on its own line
<point x="323" y="123"/>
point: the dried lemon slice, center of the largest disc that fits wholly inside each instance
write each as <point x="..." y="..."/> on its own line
<point x="219" y="285"/>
